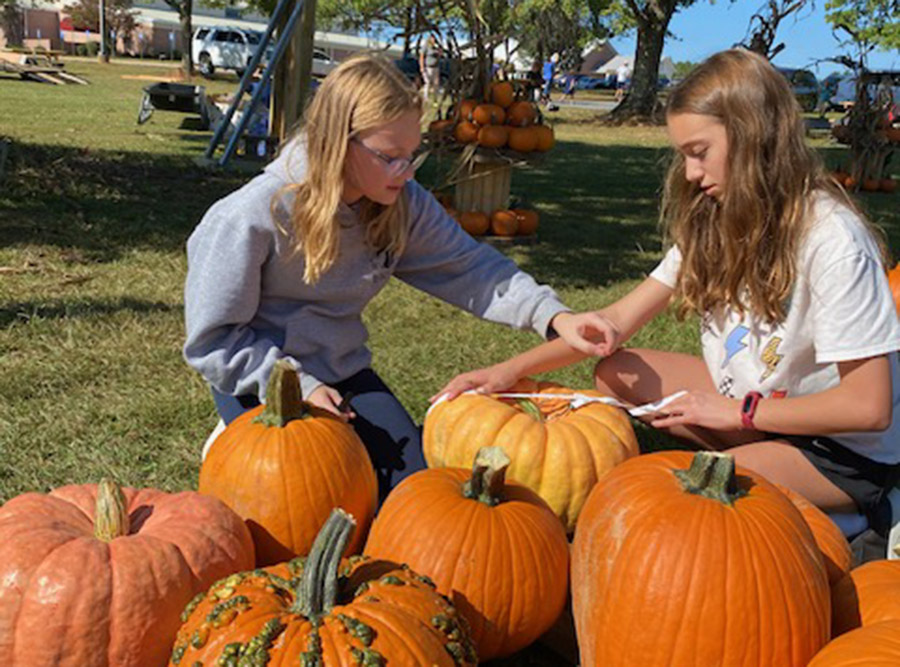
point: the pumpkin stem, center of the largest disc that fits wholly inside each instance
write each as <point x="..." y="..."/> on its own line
<point x="711" y="475"/>
<point x="488" y="476"/>
<point x="530" y="408"/>
<point x="318" y="588"/>
<point x="284" y="399"/>
<point x="111" y="518"/>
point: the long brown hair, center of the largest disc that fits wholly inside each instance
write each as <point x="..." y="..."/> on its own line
<point x="363" y="92"/>
<point x="741" y="251"/>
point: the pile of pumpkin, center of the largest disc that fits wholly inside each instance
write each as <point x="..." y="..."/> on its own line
<point x="501" y="121"/>
<point x="503" y="222"/>
<point x="850" y="182"/>
<point x="677" y="559"/>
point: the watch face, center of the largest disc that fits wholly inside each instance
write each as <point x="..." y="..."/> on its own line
<point x="748" y="401"/>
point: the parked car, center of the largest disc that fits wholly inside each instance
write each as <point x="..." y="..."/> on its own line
<point x="322" y="63"/>
<point x="225" y="48"/>
<point x="596" y="82"/>
<point x="805" y="86"/>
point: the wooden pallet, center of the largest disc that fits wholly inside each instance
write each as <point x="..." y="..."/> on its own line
<point x="37" y="67"/>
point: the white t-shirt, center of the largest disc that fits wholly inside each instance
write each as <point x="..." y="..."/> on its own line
<point x="841" y="309"/>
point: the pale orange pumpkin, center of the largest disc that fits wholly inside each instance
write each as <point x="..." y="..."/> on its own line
<point x="680" y="559"/>
<point x="475" y="222"/>
<point x="95" y="575"/>
<point x="285" y="465"/>
<point x="557" y="451"/>
<point x="493" y="546"/>
<point x="875" y="645"/>
<point x="504" y="223"/>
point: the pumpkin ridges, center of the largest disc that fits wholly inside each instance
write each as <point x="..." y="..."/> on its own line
<point x="869" y="594"/>
<point x="877" y="645"/>
<point x="569" y="460"/>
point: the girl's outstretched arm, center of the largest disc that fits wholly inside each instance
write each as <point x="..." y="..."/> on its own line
<point x="593" y="333"/>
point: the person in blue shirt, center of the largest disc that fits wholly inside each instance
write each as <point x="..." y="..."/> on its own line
<point x="549" y="71"/>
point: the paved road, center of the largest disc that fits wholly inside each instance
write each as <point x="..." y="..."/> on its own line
<point x="595" y="105"/>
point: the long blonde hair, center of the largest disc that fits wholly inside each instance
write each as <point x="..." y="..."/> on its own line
<point x="741" y="252"/>
<point x="363" y="92"/>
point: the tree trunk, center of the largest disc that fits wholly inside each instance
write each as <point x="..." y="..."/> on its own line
<point x="184" y="15"/>
<point x="641" y="99"/>
<point x="292" y="75"/>
<point x="407" y="32"/>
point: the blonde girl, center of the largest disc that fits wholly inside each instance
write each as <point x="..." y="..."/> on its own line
<point x="799" y="375"/>
<point x="283" y="267"/>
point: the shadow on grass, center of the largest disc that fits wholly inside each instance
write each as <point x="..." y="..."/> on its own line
<point x="104" y="202"/>
<point x="11" y="312"/>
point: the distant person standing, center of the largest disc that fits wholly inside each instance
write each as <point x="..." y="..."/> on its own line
<point x="569" y="93"/>
<point x="623" y="78"/>
<point x="549" y="72"/>
<point x="429" y="66"/>
<point x="534" y="81"/>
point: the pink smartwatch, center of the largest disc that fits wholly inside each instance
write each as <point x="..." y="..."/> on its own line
<point x="748" y="409"/>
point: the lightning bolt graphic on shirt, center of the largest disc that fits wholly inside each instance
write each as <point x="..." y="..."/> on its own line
<point x="735" y="342"/>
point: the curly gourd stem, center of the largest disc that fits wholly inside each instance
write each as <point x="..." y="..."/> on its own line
<point x="488" y="476"/>
<point x="111" y="518"/>
<point x="318" y="589"/>
<point x="711" y="475"/>
<point x="284" y="398"/>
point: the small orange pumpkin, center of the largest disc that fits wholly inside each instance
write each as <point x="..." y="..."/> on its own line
<point x="492" y="545"/>
<point x="523" y="139"/>
<point x="502" y="93"/>
<point x="528" y="221"/>
<point x="466" y="132"/>
<point x="888" y="185"/>
<point x="285" y="465"/>
<point x="504" y="223"/>
<point x="894" y="283"/>
<point x="474" y="222"/>
<point x="493" y="136"/>
<point x="521" y="113"/>
<point x="440" y="128"/>
<point x="869" y="594"/>
<point x="545" y="138"/>
<point x="489" y="114"/>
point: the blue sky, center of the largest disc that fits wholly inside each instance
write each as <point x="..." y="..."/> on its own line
<point x="704" y="28"/>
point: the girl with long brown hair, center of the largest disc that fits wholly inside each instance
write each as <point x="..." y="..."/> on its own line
<point x="283" y="267"/>
<point x="799" y="376"/>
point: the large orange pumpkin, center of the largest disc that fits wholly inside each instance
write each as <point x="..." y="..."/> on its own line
<point x="493" y="546"/>
<point x="521" y="113"/>
<point x="474" y="222"/>
<point x="489" y="114"/>
<point x="502" y="93"/>
<point x="681" y="561"/>
<point x="92" y="576"/>
<point x="557" y="451"/>
<point x="466" y="107"/>
<point x="894" y="282"/>
<point x="285" y="465"/>
<point x="322" y="610"/>
<point x="875" y="645"/>
<point x="869" y="594"/>
<point x="829" y="538"/>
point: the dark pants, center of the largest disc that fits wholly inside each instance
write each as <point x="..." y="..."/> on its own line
<point x="392" y="438"/>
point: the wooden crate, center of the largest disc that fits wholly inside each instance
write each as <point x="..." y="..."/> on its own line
<point x="485" y="186"/>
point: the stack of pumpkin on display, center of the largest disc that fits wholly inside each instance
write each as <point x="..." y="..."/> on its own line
<point x="533" y="503"/>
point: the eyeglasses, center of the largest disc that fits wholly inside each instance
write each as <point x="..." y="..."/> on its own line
<point x="396" y="166"/>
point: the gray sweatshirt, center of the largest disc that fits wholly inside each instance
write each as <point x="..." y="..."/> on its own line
<point x="246" y="304"/>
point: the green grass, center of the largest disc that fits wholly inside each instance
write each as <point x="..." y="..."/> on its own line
<point x="94" y="214"/>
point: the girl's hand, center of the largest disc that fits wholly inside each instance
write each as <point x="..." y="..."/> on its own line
<point x="702" y="408"/>
<point x="590" y="332"/>
<point x="329" y="398"/>
<point x="484" y="381"/>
